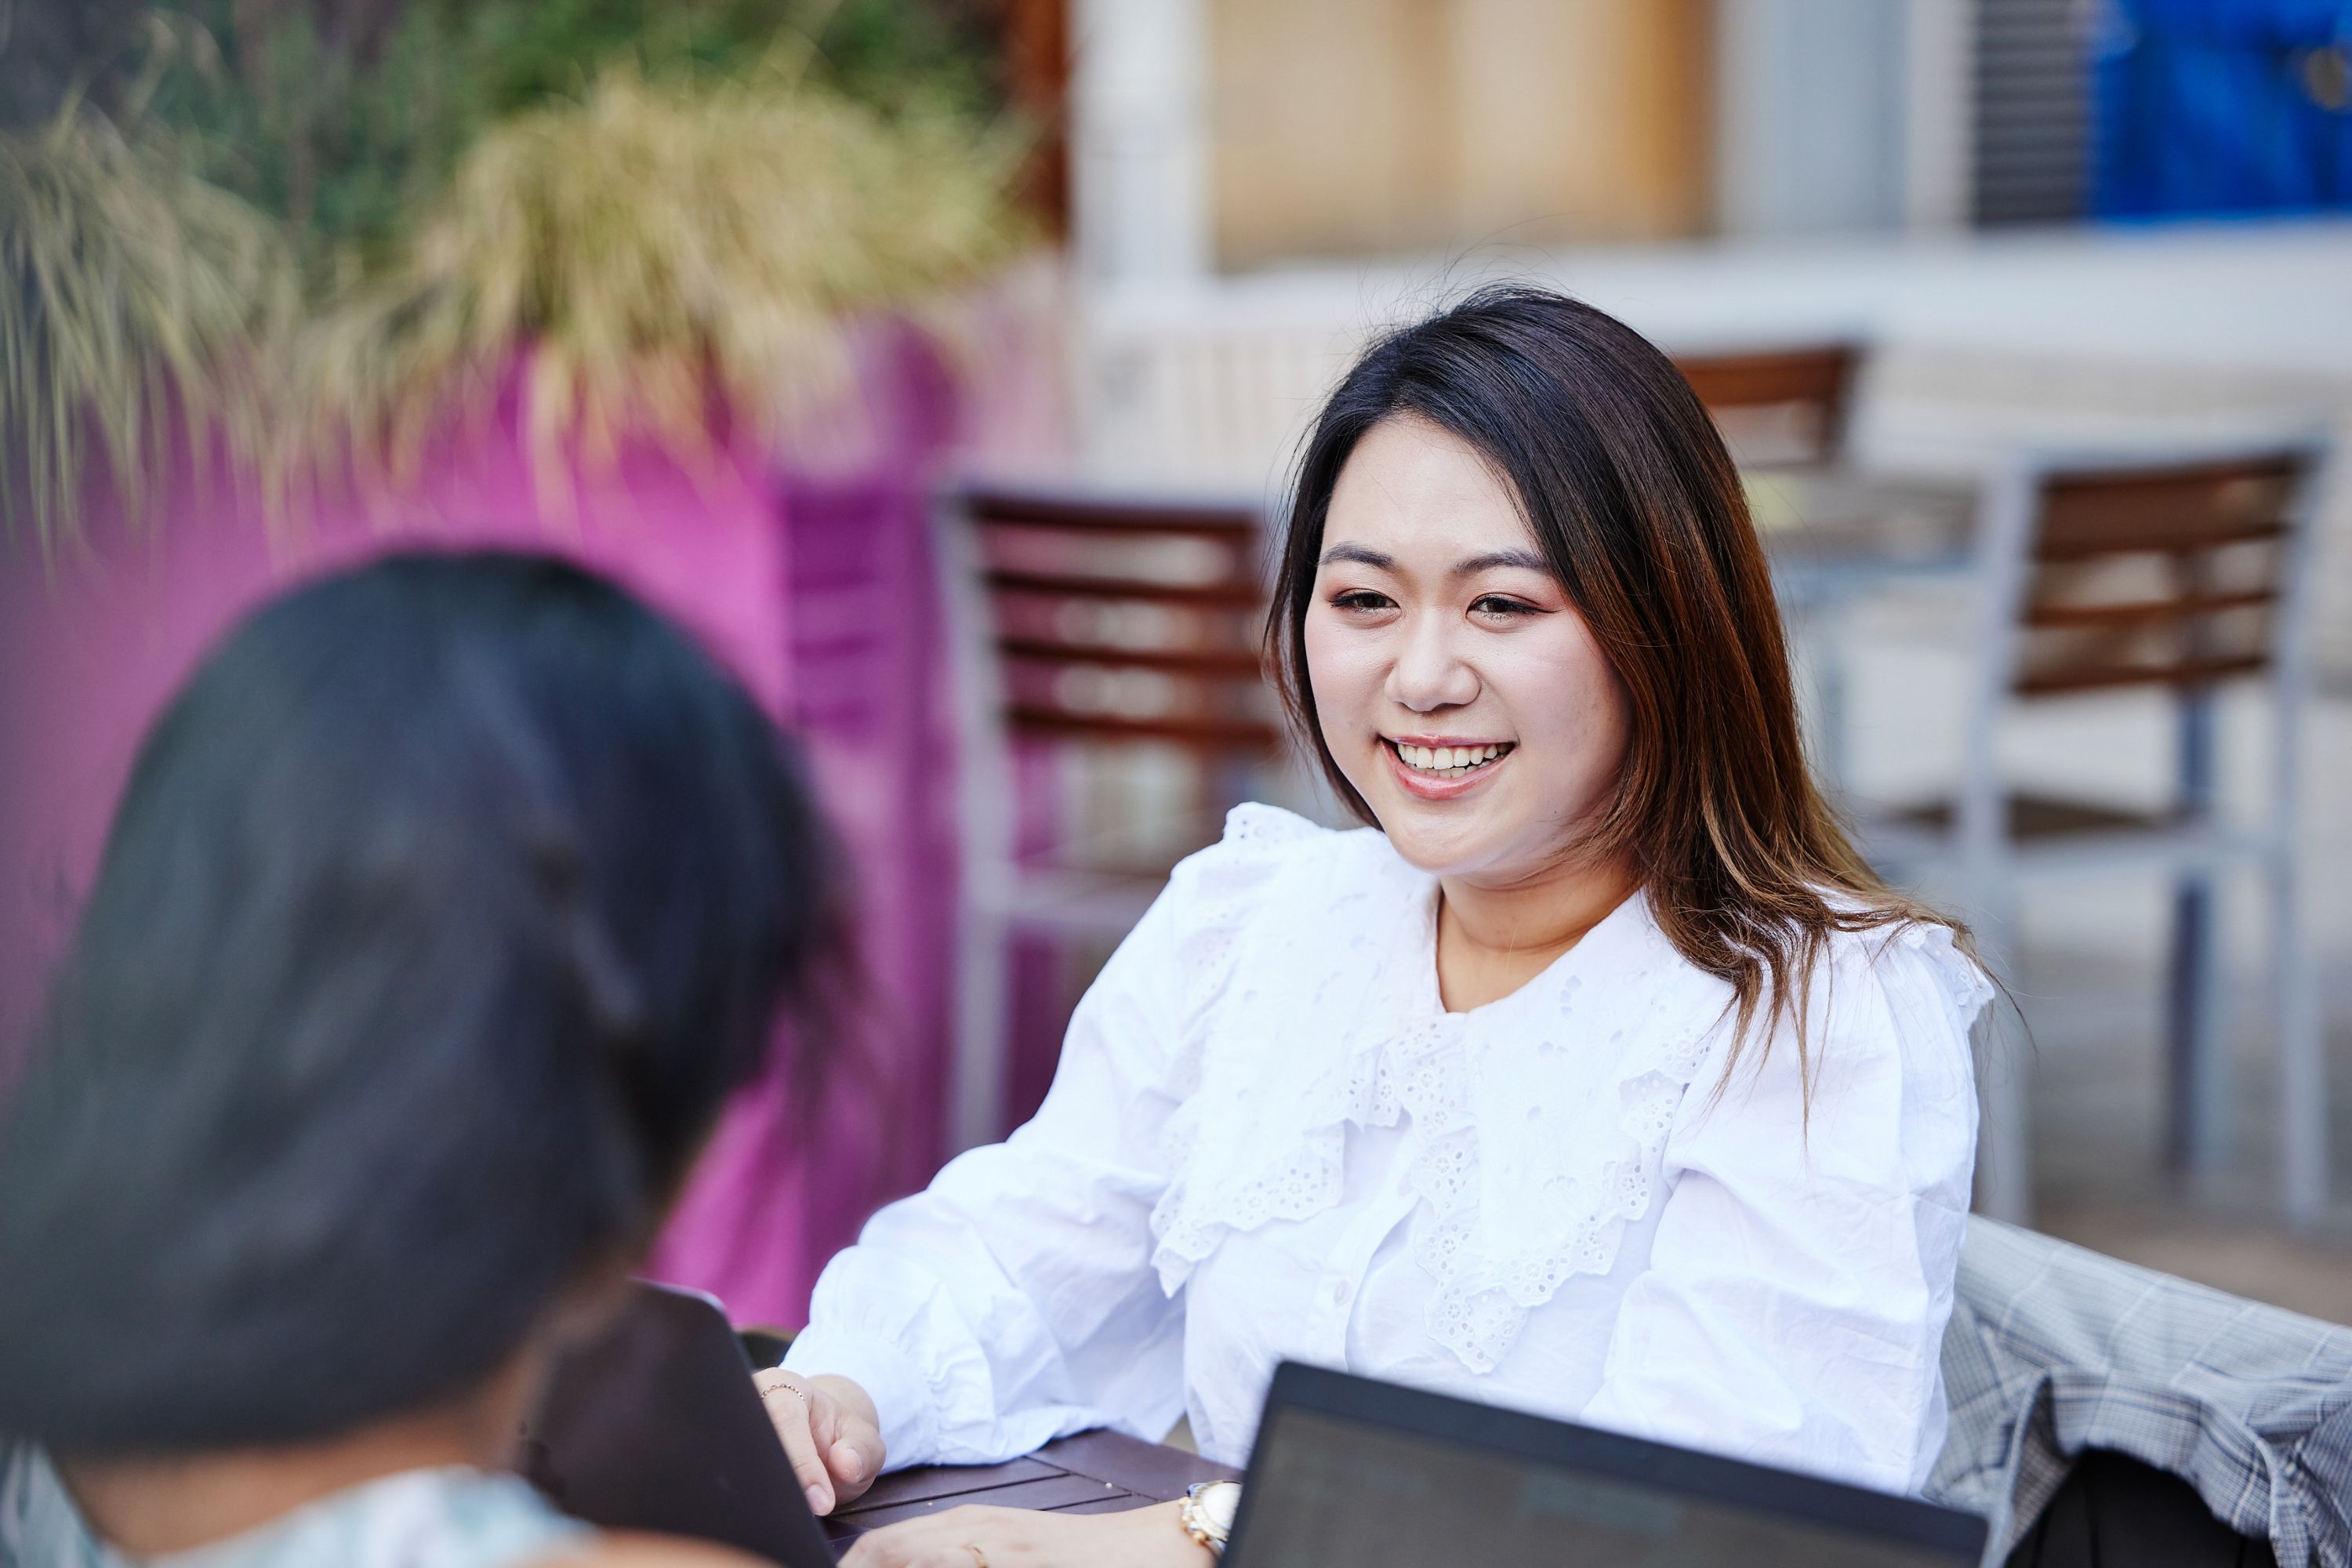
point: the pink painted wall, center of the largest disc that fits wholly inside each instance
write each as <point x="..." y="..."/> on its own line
<point x="91" y="650"/>
<point x="807" y="572"/>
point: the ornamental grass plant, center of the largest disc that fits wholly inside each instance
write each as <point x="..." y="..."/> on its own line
<point x="671" y="252"/>
<point x="142" y="310"/>
<point x="667" y="251"/>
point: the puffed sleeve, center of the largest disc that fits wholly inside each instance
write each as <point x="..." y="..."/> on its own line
<point x="1014" y="1300"/>
<point x="1802" y="1269"/>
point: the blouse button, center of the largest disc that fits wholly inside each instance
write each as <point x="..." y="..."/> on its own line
<point x="1340" y="1290"/>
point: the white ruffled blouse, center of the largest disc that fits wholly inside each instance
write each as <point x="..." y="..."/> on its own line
<point x="1268" y="1139"/>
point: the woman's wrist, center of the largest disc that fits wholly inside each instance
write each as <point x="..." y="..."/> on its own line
<point x="1163" y="1528"/>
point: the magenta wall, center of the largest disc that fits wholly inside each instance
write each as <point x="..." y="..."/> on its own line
<point x="91" y="651"/>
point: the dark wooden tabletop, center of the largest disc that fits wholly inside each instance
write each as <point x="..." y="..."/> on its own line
<point x="1094" y="1472"/>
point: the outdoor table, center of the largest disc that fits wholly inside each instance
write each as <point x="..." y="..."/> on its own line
<point x="1831" y="530"/>
<point x="1833" y="534"/>
<point x="1094" y="1472"/>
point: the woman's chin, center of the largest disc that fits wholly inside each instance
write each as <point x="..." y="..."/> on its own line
<point x="1443" y="838"/>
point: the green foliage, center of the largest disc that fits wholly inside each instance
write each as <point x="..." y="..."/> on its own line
<point x="51" y="55"/>
<point x="334" y="222"/>
<point x="347" y="136"/>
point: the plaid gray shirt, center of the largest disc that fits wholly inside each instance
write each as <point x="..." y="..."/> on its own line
<point x="2054" y="1350"/>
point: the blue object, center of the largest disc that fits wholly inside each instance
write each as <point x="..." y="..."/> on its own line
<point x="2219" y="107"/>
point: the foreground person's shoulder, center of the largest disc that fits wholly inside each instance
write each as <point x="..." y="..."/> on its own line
<point x="628" y="1549"/>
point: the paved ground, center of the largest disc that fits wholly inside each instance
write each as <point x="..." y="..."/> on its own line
<point x="2101" y="1177"/>
<point x="2091" y="974"/>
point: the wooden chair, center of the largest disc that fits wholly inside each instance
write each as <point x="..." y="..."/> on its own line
<point x="1778" y="408"/>
<point x="1086" y="624"/>
<point x="2111" y="574"/>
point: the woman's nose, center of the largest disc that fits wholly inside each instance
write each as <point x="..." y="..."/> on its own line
<point x="1430" y="673"/>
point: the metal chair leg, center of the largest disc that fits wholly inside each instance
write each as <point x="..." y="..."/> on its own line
<point x="983" y="961"/>
<point x="2199" y="1088"/>
<point x="2302" y="1052"/>
<point x="2005" y="1072"/>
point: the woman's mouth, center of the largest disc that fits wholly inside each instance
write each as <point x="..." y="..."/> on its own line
<point x="1448" y="764"/>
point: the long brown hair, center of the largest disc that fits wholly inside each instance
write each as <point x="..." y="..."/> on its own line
<point x="1640" y="512"/>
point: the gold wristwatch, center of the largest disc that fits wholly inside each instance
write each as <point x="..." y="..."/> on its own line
<point x="1207" y="1513"/>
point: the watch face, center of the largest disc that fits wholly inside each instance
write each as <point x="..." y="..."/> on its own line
<point x="1220" y="1500"/>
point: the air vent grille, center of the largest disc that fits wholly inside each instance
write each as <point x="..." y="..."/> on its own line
<point x="2032" y="111"/>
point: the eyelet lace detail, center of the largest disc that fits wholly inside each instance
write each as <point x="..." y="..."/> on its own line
<point x="1510" y="1213"/>
<point x="1536" y="1129"/>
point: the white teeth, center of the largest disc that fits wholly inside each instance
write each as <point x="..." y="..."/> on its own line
<point x="1447" y="759"/>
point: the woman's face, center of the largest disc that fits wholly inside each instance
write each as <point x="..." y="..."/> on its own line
<point x="1458" y="686"/>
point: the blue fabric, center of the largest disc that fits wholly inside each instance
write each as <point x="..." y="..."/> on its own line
<point x="2203" y="108"/>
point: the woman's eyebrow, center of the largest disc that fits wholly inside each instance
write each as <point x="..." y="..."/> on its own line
<point x="1524" y="560"/>
<point x="1362" y="555"/>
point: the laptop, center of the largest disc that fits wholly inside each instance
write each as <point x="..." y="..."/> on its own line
<point x="1349" y="1473"/>
<point x="654" y="1425"/>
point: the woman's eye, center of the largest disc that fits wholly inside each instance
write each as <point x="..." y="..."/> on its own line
<point x="1496" y="605"/>
<point x="1362" y="599"/>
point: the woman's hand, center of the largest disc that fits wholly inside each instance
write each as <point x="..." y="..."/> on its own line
<point x="1017" y="1538"/>
<point x="830" y="1431"/>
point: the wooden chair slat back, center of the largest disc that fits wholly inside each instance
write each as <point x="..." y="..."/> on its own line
<point x="1778" y="406"/>
<point x="2167" y="575"/>
<point x="1124" y="621"/>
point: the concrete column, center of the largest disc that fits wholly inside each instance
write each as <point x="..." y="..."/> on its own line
<point x="1810" y="122"/>
<point x="1939" y="116"/>
<point x="1139" y="141"/>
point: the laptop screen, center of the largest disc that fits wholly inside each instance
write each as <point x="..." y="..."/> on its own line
<point x="1337" y="1489"/>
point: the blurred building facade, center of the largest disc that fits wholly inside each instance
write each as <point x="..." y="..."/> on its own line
<point x="1964" y="187"/>
<point x="1234" y="134"/>
<point x="1226" y="134"/>
<point x="2045" y="222"/>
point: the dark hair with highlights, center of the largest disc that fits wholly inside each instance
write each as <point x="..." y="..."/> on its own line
<point x="1637" y="508"/>
<point x="446" y="906"/>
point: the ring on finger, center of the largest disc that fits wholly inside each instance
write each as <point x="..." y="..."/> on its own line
<point x="780" y="1386"/>
<point x="978" y="1558"/>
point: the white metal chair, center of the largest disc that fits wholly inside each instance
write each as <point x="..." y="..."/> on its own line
<point x="1784" y="411"/>
<point x="1086" y="624"/>
<point x="2119" y="573"/>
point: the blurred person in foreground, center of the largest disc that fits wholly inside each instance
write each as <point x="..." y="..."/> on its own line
<point x="1596" y="1076"/>
<point x="445" y="907"/>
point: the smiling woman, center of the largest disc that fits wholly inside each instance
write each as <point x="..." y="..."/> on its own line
<point x="1596" y="1074"/>
<point x="1520" y="508"/>
<point x="1461" y="703"/>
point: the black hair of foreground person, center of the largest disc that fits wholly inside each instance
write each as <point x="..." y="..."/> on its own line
<point x="444" y="908"/>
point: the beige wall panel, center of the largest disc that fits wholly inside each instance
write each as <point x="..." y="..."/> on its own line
<point x="1322" y="138"/>
<point x="1350" y="127"/>
<point x="1579" y="118"/>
